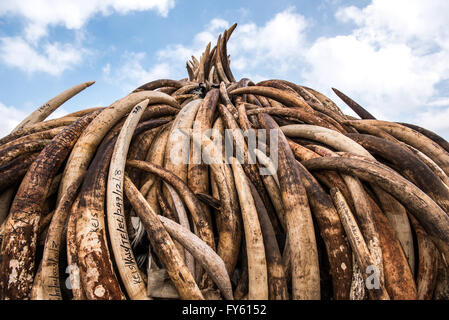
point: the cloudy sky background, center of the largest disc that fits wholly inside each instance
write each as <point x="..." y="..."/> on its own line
<point x="390" y="56"/>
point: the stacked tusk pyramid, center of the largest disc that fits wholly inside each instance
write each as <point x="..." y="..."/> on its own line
<point x="213" y="188"/>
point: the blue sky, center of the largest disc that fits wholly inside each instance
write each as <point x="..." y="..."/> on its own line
<point x="390" y="56"/>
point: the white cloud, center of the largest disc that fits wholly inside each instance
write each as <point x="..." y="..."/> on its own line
<point x="73" y="14"/>
<point x="132" y="74"/>
<point x="30" y="53"/>
<point x="274" y="46"/>
<point x="393" y="59"/>
<point x="435" y="120"/>
<point x="54" y="58"/>
<point x="10" y="119"/>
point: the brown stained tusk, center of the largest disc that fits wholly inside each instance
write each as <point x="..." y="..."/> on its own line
<point x="198" y="172"/>
<point x="19" y="243"/>
<point x="219" y="63"/>
<point x="417" y="140"/>
<point x="300" y="229"/>
<point x="324" y="135"/>
<point x="441" y="291"/>
<point x="366" y="128"/>
<point x="399" y="280"/>
<point x="209" y="200"/>
<point x="429" y="214"/>
<point x="38" y="127"/>
<point x="5" y="203"/>
<point x="228" y="219"/>
<point x="257" y="265"/>
<point x="21" y="149"/>
<point x="80" y="113"/>
<point x="72" y="254"/>
<point x="389" y="205"/>
<point x="15" y="170"/>
<point x="299" y="114"/>
<point x="163" y="244"/>
<point x="42" y="135"/>
<point x="153" y="85"/>
<point x="192" y="203"/>
<point x="355" y="237"/>
<point x="331" y="229"/>
<point x="328" y="103"/>
<point x="409" y="165"/>
<point x="47" y="108"/>
<point x="49" y="269"/>
<point x="97" y="275"/>
<point x="227" y="101"/>
<point x="288" y="99"/>
<point x="183" y="221"/>
<point x="213" y="264"/>
<point x="251" y="169"/>
<point x="185" y="89"/>
<point x="277" y="282"/>
<point x="361" y="112"/>
<point x="84" y="149"/>
<point x="431" y="164"/>
<point x="118" y="234"/>
<point x="429" y="134"/>
<point x="203" y="64"/>
<point x="427" y="262"/>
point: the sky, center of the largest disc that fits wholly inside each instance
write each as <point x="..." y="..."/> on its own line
<point x="392" y="57"/>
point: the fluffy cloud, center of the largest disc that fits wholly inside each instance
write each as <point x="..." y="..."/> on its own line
<point x="276" y="45"/>
<point x="73" y="14"/>
<point x="10" y="119"/>
<point x="30" y="52"/>
<point x="132" y="73"/>
<point x="393" y="59"/>
<point x="273" y="47"/>
<point x="391" y="62"/>
<point x="435" y="119"/>
<point x="54" y="58"/>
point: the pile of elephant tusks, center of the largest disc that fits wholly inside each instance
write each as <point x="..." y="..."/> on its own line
<point x="143" y="200"/>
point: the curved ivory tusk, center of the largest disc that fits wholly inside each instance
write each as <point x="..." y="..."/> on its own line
<point x="84" y="149"/>
<point x="390" y="206"/>
<point x="228" y="220"/>
<point x="118" y="234"/>
<point x="192" y="203"/>
<point x="163" y="245"/>
<point x="212" y="262"/>
<point x="267" y="163"/>
<point x="49" y="269"/>
<point x="428" y="262"/>
<point x="183" y="221"/>
<point x="257" y="265"/>
<point x="361" y="112"/>
<point x="38" y="127"/>
<point x="47" y="108"/>
<point x="355" y="238"/>
<point x="279" y="95"/>
<point x="19" y="243"/>
<point x="430" y="215"/>
<point x="21" y="149"/>
<point x="417" y="140"/>
<point x="327" y="136"/>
